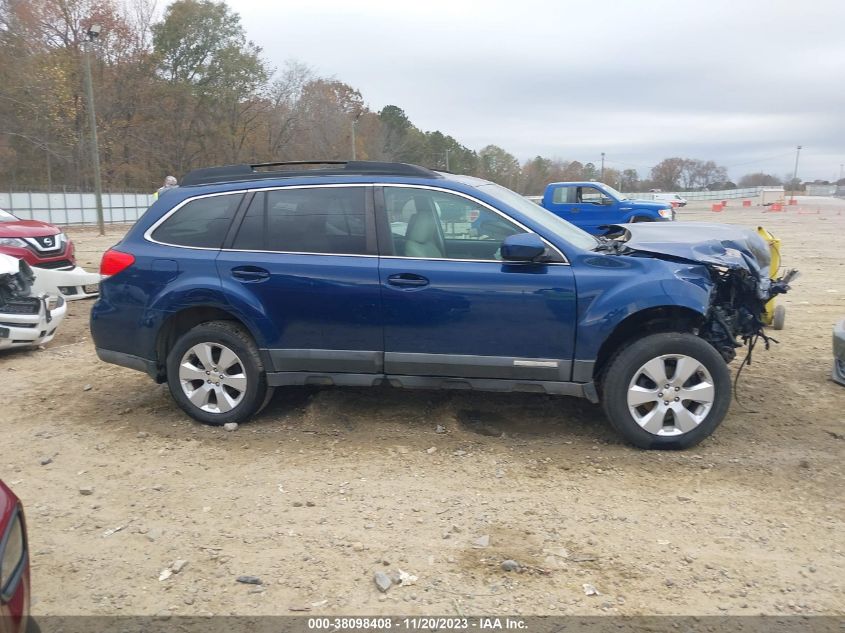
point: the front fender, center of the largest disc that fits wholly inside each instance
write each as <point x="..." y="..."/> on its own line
<point x="612" y="288"/>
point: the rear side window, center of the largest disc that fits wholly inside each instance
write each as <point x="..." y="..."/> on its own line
<point x="329" y="220"/>
<point x="201" y="223"/>
<point x="564" y="195"/>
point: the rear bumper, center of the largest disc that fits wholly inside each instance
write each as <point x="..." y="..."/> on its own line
<point x="29" y="330"/>
<point x="74" y="283"/>
<point x="129" y="361"/>
<point x="839" y="353"/>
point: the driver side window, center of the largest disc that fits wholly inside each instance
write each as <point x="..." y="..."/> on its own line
<point x="593" y="195"/>
<point x="438" y="225"/>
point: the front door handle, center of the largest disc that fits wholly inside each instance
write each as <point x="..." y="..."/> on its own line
<point x="250" y="273"/>
<point x="407" y="280"/>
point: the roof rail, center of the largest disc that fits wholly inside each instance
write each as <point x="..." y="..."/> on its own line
<point x="289" y="169"/>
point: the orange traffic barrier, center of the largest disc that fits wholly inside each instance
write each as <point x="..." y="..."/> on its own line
<point x="716" y="207"/>
<point x="776" y="207"/>
<point x="746" y="203"/>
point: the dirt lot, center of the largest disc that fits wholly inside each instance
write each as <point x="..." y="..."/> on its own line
<point x="327" y="487"/>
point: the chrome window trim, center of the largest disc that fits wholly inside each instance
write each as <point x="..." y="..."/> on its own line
<point x="478" y="261"/>
<point x="241" y="250"/>
<point x="485" y="205"/>
<point x="148" y="234"/>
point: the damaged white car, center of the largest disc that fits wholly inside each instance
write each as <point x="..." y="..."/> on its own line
<point x="72" y="283"/>
<point x="28" y="318"/>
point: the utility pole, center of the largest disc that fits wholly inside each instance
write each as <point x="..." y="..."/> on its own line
<point x="795" y="172"/>
<point x="601" y="177"/>
<point x="447" y="159"/>
<point x="354" y="124"/>
<point x="93" y="32"/>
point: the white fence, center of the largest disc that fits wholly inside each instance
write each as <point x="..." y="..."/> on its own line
<point x="726" y="194"/>
<point x="74" y="207"/>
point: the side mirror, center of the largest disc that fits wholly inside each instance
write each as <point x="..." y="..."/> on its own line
<point x="522" y="247"/>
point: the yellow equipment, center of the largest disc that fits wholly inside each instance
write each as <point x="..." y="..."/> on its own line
<point x="773" y="315"/>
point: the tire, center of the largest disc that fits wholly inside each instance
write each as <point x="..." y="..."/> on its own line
<point x="779" y="318"/>
<point x="234" y="392"/>
<point x="649" y="424"/>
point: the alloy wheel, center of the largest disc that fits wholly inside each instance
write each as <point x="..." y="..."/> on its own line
<point x="671" y="394"/>
<point x="212" y="377"/>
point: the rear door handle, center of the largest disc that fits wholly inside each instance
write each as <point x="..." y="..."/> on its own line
<point x="250" y="273"/>
<point x="407" y="280"/>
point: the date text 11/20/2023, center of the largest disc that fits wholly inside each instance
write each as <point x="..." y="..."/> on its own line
<point x="416" y="623"/>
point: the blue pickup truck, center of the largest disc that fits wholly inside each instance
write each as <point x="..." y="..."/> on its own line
<point x="593" y="205"/>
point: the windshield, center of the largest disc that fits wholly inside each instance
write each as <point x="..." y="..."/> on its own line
<point x="614" y="193"/>
<point x="5" y="216"/>
<point x="541" y="216"/>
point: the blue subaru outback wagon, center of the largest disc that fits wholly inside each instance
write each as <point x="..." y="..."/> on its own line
<point x="251" y="277"/>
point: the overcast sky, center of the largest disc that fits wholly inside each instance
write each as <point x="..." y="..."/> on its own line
<point x="741" y="82"/>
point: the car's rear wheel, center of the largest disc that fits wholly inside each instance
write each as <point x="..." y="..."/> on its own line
<point x="668" y="390"/>
<point x="215" y="374"/>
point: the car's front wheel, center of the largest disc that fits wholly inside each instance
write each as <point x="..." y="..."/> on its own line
<point x="668" y="390"/>
<point x="215" y="374"/>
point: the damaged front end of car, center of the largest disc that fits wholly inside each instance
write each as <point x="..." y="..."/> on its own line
<point x="737" y="260"/>
<point x="27" y="318"/>
<point x="737" y="305"/>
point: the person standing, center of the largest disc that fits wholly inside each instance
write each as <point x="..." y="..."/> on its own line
<point x="170" y="182"/>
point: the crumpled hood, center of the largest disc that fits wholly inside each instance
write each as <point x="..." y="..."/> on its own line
<point x="9" y="265"/>
<point x="714" y="244"/>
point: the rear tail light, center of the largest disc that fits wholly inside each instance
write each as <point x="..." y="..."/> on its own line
<point x="115" y="262"/>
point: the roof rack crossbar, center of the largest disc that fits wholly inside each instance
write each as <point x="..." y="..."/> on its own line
<point x="262" y="171"/>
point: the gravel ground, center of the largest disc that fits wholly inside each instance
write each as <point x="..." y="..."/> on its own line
<point x="327" y="487"/>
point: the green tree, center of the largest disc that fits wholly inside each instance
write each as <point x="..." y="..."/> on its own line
<point x="499" y="166"/>
<point x="214" y="81"/>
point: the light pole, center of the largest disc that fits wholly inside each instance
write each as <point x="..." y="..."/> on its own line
<point x="93" y="33"/>
<point x="447" y="159"/>
<point x="795" y="172"/>
<point x="601" y="177"/>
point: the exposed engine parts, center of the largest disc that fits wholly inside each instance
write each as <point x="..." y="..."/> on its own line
<point x="736" y="307"/>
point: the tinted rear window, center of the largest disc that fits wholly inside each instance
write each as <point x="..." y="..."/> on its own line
<point x="309" y="220"/>
<point x="201" y="223"/>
